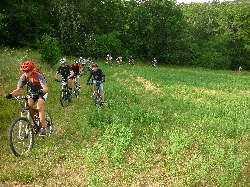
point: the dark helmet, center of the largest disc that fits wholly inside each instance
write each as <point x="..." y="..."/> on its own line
<point x="95" y="65"/>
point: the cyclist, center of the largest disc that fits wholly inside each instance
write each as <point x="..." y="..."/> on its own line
<point x="98" y="76"/>
<point x="131" y="60"/>
<point x="83" y="62"/>
<point x="119" y="60"/>
<point x="154" y="62"/>
<point x="65" y="72"/>
<point x="77" y="71"/>
<point x="38" y="86"/>
<point x="109" y="59"/>
<point x="90" y="62"/>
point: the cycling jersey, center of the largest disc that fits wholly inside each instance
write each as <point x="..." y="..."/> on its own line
<point x="97" y="75"/>
<point x="22" y="82"/>
<point x="64" y="71"/>
<point x="76" y="68"/>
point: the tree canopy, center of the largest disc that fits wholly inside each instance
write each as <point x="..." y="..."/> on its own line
<point x="212" y="35"/>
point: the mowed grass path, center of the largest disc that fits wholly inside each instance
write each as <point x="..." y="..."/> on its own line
<point x="164" y="126"/>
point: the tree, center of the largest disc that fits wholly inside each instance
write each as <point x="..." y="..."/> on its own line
<point x="156" y="29"/>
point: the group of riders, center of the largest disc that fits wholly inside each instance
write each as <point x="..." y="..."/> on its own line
<point x="38" y="88"/>
<point x="131" y="61"/>
<point x="119" y="60"/>
<point x="69" y="73"/>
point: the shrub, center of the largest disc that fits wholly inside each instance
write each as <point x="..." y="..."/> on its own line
<point x="49" y="49"/>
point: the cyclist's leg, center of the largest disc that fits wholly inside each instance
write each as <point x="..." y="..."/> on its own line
<point x="70" y="83"/>
<point x="31" y="104"/>
<point x="101" y="92"/>
<point x="40" y="108"/>
<point x="78" y="79"/>
<point x="94" y="86"/>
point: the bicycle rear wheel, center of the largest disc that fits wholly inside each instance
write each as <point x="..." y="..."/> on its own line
<point x="21" y="136"/>
<point x="64" y="98"/>
<point x="49" y="125"/>
<point x="76" y="89"/>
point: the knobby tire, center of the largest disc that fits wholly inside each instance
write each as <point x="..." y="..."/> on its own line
<point x="21" y="136"/>
<point x="64" y="98"/>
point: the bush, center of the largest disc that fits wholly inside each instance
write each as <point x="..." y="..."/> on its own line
<point x="49" y="49"/>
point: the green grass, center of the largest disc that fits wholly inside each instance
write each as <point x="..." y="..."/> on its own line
<point x="164" y="126"/>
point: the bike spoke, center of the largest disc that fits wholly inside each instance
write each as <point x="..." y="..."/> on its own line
<point x="49" y="124"/>
<point x="21" y="136"/>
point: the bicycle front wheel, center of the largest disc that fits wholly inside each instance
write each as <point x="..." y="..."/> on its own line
<point x="98" y="99"/>
<point x="64" y="98"/>
<point x="21" y="136"/>
<point x="49" y="125"/>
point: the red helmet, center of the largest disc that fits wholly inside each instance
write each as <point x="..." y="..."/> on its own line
<point x="27" y="66"/>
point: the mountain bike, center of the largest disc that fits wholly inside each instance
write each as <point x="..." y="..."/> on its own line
<point x="65" y="96"/>
<point x="23" y="129"/>
<point x="97" y="96"/>
<point x="131" y="62"/>
<point x="76" y="87"/>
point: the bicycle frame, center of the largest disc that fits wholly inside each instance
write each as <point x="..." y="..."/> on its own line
<point x="26" y="111"/>
<point x="76" y="87"/>
<point x="97" y="96"/>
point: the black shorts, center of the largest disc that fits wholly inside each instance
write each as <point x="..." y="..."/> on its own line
<point x="36" y="97"/>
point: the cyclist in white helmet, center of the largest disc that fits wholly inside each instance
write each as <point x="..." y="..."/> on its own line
<point x="65" y="72"/>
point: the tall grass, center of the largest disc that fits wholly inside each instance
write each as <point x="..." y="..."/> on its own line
<point x="164" y="126"/>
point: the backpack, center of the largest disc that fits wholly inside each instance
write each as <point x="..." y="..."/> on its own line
<point x="35" y="80"/>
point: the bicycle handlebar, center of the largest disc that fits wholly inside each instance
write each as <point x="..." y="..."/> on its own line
<point x="19" y="97"/>
<point x="97" y="83"/>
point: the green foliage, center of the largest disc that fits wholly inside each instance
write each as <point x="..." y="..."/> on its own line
<point x="23" y="22"/>
<point x="163" y="125"/>
<point x="49" y="48"/>
<point x="156" y="29"/>
<point x="99" y="46"/>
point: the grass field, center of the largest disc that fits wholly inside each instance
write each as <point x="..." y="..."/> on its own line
<point x="164" y="126"/>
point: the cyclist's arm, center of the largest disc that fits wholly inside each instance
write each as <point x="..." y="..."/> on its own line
<point x="16" y="92"/>
<point x="102" y="76"/>
<point x="71" y="73"/>
<point x="56" y="75"/>
<point x="45" y="88"/>
<point x="80" y="69"/>
<point x="57" y="72"/>
<point x="90" y="75"/>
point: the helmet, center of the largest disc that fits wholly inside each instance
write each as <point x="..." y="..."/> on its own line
<point x="95" y="65"/>
<point x="63" y="61"/>
<point x="75" y="62"/>
<point x="27" y="66"/>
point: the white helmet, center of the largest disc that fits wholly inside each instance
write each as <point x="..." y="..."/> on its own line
<point x="63" y="61"/>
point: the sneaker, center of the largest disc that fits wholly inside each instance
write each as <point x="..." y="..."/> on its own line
<point x="93" y="94"/>
<point x="79" y="86"/>
<point x="102" y="103"/>
<point x="42" y="132"/>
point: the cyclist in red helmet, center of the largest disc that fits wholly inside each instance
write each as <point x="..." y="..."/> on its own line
<point x="40" y="88"/>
